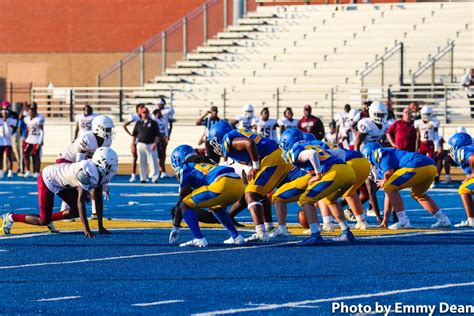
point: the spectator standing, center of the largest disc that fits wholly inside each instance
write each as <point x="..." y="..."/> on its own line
<point x="468" y="83"/>
<point x="146" y="136"/>
<point x="14" y="118"/>
<point x="7" y="127"/>
<point x="134" y="118"/>
<point x="207" y="120"/>
<point x="168" y="114"/>
<point x="84" y="120"/>
<point x="264" y="125"/>
<point x="364" y="112"/>
<point x="415" y="111"/>
<point x="311" y="124"/>
<point x="163" y="127"/>
<point x="33" y="140"/>
<point x="343" y="124"/>
<point x="402" y="133"/>
<point x="331" y="136"/>
<point x="287" y="121"/>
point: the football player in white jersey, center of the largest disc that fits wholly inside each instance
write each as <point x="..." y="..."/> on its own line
<point x="287" y="121"/>
<point x="168" y="114"/>
<point x="85" y="146"/>
<point x="331" y="136"/>
<point x="343" y="126"/>
<point x="244" y="121"/>
<point x="132" y="120"/>
<point x="427" y="132"/>
<point x="71" y="182"/>
<point x="372" y="129"/>
<point x="7" y="130"/>
<point x="264" y="125"/>
<point x="84" y="121"/>
<point x="33" y="140"/>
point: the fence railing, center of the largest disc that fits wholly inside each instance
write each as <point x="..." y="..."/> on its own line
<point x="450" y="102"/>
<point x="172" y="44"/>
<point x="431" y="63"/>
<point x="380" y="62"/>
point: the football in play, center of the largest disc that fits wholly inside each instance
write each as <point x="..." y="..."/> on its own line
<point x="302" y="219"/>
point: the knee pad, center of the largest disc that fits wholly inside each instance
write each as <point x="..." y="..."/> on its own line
<point x="254" y="204"/>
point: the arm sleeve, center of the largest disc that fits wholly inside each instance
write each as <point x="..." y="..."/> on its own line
<point x="312" y="156"/>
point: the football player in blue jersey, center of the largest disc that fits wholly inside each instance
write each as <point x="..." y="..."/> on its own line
<point x="361" y="168"/>
<point x="461" y="151"/>
<point x="204" y="184"/>
<point x="268" y="167"/>
<point x="399" y="170"/>
<point x="327" y="177"/>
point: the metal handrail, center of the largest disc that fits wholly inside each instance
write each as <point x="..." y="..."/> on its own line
<point x="432" y="61"/>
<point x="379" y="61"/>
<point x="152" y="41"/>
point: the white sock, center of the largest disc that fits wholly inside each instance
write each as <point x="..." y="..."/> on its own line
<point x="343" y="225"/>
<point x="402" y="216"/>
<point x="439" y="215"/>
<point x="260" y="229"/>
<point x="360" y="218"/>
<point x="314" y="228"/>
<point x="327" y="219"/>
<point x="470" y="220"/>
<point x="268" y="226"/>
<point x="10" y="217"/>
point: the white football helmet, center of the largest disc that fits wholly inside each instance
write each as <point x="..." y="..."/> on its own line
<point x="248" y="110"/>
<point x="426" y="113"/>
<point x="106" y="161"/>
<point x="354" y="115"/>
<point x="103" y="126"/>
<point x="378" y="112"/>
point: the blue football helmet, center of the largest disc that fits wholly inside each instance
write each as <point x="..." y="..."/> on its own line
<point x="458" y="141"/>
<point x="369" y="149"/>
<point x="179" y="156"/>
<point x="309" y="137"/>
<point x="216" y="136"/>
<point x="290" y="137"/>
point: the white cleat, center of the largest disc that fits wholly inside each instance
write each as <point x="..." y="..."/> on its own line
<point x="444" y="223"/>
<point x="258" y="237"/>
<point x="401" y="225"/>
<point x="362" y="225"/>
<point x="239" y="240"/>
<point x="465" y="224"/>
<point x="370" y="213"/>
<point x="27" y="174"/>
<point x="328" y="227"/>
<point x="93" y="217"/>
<point x="36" y="175"/>
<point x="10" y="174"/>
<point x="448" y="179"/>
<point x="7" y="223"/>
<point x="349" y="216"/>
<point x="1" y="173"/>
<point x="279" y="232"/>
<point x="133" y="178"/>
<point x="196" y="242"/>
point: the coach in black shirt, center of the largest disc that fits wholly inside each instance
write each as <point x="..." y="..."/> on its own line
<point x="146" y="135"/>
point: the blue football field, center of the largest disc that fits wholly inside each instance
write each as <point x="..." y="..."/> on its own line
<point x="135" y="271"/>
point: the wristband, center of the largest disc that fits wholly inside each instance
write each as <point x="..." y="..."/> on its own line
<point x="256" y="164"/>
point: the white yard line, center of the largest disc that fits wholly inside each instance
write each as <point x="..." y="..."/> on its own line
<point x="157" y="303"/>
<point x="269" y="307"/>
<point x="146" y="255"/>
<point x="63" y="298"/>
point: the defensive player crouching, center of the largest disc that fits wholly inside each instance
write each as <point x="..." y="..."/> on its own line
<point x="402" y="169"/>
<point x="462" y="151"/>
<point x="330" y="178"/>
<point x="204" y="184"/>
<point x="71" y="182"/>
<point x="100" y="135"/>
